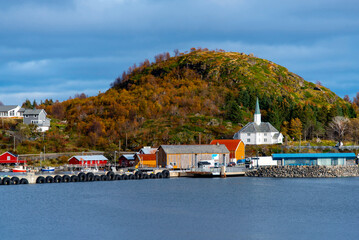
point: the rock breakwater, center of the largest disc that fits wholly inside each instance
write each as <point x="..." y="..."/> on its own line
<point x="305" y="171"/>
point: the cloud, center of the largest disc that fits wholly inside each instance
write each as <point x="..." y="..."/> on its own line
<point x="201" y="16"/>
<point x="59" y="89"/>
<point x="69" y="42"/>
<point x="39" y="66"/>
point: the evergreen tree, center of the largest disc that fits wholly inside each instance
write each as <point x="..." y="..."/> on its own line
<point x="234" y="112"/>
<point x="27" y="104"/>
<point x="34" y="104"/>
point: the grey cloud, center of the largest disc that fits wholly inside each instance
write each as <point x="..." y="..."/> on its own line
<point x="61" y="43"/>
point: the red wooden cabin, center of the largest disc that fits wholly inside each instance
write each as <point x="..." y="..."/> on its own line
<point x="89" y="160"/>
<point x="9" y="158"/>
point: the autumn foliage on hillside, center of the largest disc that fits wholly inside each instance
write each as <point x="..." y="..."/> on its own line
<point x="195" y="97"/>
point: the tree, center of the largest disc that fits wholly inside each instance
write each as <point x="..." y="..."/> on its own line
<point x="58" y="110"/>
<point x="354" y="130"/>
<point x="80" y="96"/>
<point x="356" y="99"/>
<point x="338" y="127"/>
<point x="347" y="98"/>
<point x="296" y="128"/>
<point x="285" y="128"/>
<point x="34" y="104"/>
<point x="234" y="112"/>
<point x="27" y="104"/>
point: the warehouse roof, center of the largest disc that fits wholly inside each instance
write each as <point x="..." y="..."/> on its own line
<point x="194" y="149"/>
<point x="279" y="156"/>
<point x="91" y="158"/>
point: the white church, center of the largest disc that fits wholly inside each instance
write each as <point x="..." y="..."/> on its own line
<point x="258" y="132"/>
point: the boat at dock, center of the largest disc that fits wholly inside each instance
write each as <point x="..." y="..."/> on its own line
<point x="48" y="169"/>
<point x="19" y="169"/>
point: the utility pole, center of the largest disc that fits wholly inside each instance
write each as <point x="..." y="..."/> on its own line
<point x="14" y="144"/>
<point x="115" y="159"/>
<point x="126" y="143"/>
<point x="199" y="138"/>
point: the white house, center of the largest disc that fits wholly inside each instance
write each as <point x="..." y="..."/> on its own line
<point x="37" y="117"/>
<point x="11" y="111"/>
<point x="258" y="132"/>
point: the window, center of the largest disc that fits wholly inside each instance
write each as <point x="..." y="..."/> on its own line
<point x="265" y="140"/>
<point x="8" y="158"/>
<point x="248" y="140"/>
<point x="265" y="134"/>
<point x="248" y="134"/>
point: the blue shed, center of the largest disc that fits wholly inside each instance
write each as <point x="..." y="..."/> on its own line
<point x="312" y="159"/>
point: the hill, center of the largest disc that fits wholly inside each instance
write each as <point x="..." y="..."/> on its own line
<point x="202" y="94"/>
<point x="196" y="96"/>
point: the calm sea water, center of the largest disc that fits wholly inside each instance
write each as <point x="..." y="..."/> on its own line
<point x="232" y="208"/>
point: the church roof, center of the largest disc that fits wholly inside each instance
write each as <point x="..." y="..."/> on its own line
<point x="191" y="149"/>
<point x="265" y="127"/>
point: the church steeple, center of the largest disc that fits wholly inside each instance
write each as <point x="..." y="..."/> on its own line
<point x="257" y="114"/>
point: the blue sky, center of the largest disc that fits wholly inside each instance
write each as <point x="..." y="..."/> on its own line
<point x="55" y="49"/>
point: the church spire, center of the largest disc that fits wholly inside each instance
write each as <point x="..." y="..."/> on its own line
<point x="257" y="114"/>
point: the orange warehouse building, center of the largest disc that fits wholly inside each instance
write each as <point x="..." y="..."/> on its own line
<point x="235" y="146"/>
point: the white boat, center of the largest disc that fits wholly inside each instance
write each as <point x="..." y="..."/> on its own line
<point x="48" y="169"/>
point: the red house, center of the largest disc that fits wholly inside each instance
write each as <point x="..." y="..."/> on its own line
<point x="89" y="160"/>
<point x="127" y="160"/>
<point x="8" y="157"/>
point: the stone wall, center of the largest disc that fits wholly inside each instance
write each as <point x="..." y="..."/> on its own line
<point x="305" y="171"/>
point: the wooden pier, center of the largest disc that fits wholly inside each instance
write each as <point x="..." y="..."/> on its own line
<point x="32" y="178"/>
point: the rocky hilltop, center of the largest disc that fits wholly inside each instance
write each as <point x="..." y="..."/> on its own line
<point x="195" y="97"/>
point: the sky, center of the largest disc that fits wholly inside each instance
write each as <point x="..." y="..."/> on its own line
<point x="51" y="49"/>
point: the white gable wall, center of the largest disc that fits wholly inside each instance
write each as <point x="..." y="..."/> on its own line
<point x="260" y="138"/>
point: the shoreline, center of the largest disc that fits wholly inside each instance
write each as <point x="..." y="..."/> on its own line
<point x="305" y="172"/>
